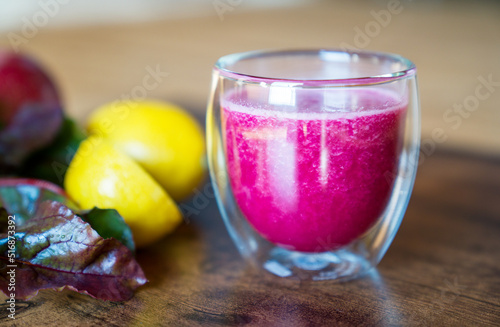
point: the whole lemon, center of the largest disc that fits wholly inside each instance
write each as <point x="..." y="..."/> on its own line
<point x="101" y="176"/>
<point x="163" y="138"/>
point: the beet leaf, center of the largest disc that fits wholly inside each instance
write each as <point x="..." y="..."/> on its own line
<point x="56" y="249"/>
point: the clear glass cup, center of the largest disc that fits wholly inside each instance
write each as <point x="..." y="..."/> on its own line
<point x="313" y="156"/>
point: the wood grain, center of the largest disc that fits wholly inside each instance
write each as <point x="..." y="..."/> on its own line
<point x="442" y="270"/>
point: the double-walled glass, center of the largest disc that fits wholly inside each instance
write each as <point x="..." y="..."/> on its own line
<point x="313" y="155"/>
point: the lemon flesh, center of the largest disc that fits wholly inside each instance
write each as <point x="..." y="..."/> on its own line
<point x="101" y="176"/>
<point x="163" y="138"/>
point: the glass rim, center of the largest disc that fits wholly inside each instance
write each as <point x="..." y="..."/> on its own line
<point x="221" y="66"/>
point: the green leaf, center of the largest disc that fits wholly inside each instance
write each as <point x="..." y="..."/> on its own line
<point x="56" y="249"/>
<point x="51" y="163"/>
<point x="108" y="223"/>
<point x="23" y="196"/>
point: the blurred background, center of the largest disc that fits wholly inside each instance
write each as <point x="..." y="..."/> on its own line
<point x="100" y="51"/>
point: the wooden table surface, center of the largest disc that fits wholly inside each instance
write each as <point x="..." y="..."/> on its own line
<point x="441" y="270"/>
<point x="443" y="267"/>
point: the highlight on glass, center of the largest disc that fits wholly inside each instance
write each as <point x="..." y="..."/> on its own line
<point x="313" y="156"/>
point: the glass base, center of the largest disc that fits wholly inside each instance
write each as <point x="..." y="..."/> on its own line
<point x="338" y="265"/>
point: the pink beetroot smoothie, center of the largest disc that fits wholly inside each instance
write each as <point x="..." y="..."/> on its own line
<point x="315" y="170"/>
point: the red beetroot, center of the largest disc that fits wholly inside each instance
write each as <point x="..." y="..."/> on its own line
<point x="30" y="108"/>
